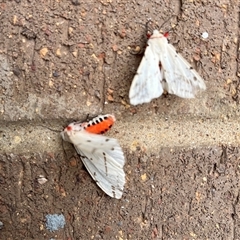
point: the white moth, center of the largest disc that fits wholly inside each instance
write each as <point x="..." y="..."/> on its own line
<point x="162" y="68"/>
<point x="101" y="155"/>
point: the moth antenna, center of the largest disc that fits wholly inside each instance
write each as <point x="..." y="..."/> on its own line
<point x="167" y="21"/>
<point x="87" y="118"/>
<point x="148" y="28"/>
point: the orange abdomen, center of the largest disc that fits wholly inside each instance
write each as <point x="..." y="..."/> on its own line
<point x="100" y="124"/>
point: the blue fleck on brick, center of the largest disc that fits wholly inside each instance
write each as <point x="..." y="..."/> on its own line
<point x="55" y="222"/>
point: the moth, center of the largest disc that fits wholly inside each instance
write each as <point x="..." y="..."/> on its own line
<point x="101" y="155"/>
<point x="163" y="68"/>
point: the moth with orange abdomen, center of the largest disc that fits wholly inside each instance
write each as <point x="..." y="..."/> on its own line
<point x="101" y="155"/>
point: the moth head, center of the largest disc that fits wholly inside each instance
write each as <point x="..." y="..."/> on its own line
<point x="151" y="26"/>
<point x="71" y="129"/>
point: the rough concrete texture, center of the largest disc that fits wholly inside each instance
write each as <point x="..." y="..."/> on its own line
<point x="69" y="60"/>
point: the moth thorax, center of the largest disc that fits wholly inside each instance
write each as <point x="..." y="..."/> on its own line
<point x="76" y="126"/>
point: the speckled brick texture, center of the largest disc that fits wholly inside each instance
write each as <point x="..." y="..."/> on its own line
<point x="69" y="60"/>
<point x="177" y="194"/>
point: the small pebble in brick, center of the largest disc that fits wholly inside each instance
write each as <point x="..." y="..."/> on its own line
<point x="205" y="35"/>
<point x="41" y="179"/>
<point x="56" y="74"/>
<point x="75" y="2"/>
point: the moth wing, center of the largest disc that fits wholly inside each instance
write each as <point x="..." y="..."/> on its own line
<point x="104" y="160"/>
<point x="181" y="79"/>
<point x="146" y="84"/>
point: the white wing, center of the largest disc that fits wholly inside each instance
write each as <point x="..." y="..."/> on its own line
<point x="146" y="82"/>
<point x="181" y="79"/>
<point x="103" y="158"/>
